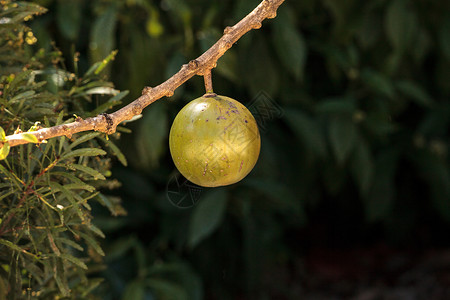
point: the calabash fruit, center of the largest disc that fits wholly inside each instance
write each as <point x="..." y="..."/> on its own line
<point x="214" y="141"/>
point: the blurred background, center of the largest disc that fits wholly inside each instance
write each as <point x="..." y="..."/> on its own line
<point x="350" y="198"/>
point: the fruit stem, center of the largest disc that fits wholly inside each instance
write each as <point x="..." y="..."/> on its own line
<point x="208" y="81"/>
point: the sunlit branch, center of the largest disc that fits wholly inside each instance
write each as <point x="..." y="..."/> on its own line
<point x="107" y="123"/>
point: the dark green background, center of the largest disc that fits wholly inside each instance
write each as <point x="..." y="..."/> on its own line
<point x="355" y="153"/>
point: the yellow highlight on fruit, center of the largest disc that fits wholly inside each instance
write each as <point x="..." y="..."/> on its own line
<point x="214" y="141"/>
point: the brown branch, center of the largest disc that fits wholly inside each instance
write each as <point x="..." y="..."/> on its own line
<point x="108" y="122"/>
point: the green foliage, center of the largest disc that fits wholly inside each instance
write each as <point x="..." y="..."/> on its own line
<point x="47" y="239"/>
<point x="207" y="216"/>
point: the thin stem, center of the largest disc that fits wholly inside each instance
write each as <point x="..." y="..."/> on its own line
<point x="208" y="81"/>
<point x="28" y="190"/>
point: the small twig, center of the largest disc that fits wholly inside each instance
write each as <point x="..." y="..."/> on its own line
<point x="28" y="190"/>
<point x="208" y="82"/>
<point x="107" y="123"/>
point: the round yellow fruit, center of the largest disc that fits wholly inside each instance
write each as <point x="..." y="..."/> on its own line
<point x="214" y="141"/>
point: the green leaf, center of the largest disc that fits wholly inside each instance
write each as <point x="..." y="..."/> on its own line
<point x="10" y="245"/>
<point x="102" y="36"/>
<point x="88" y="170"/>
<point x="2" y="135"/>
<point x="96" y="230"/>
<point x="113" y="101"/>
<point x="60" y="278"/>
<point x="21" y="98"/>
<point x="76" y="182"/>
<point x="4" y="151"/>
<point x="120" y="246"/>
<point x="29" y="137"/>
<point x="123" y="129"/>
<point x="181" y="274"/>
<point x="18" y="79"/>
<point x="152" y="136"/>
<point x="379" y="124"/>
<point x="15" y="278"/>
<point x="21" y="11"/>
<point x="35" y="270"/>
<point x="68" y="17"/>
<point x="339" y="11"/>
<point x="79" y="186"/>
<point x="93" y="284"/>
<point x="84" y="138"/>
<point x="401" y="25"/>
<point x="182" y="10"/>
<point x="11" y="177"/>
<point x="70" y="243"/>
<point x="378" y="83"/>
<point x="101" y="90"/>
<point x="115" y="151"/>
<point x="56" y="187"/>
<point x="91" y="242"/>
<point x="112" y="203"/>
<point x="134" y="290"/>
<point x="83" y="152"/>
<point x="415" y="92"/>
<point x="165" y="289"/>
<point x="62" y="144"/>
<point x="5" y="194"/>
<point x="207" y="216"/>
<point x="289" y="43"/>
<point x="343" y="136"/>
<point x="258" y="68"/>
<point x="74" y="260"/>
<point x="99" y="66"/>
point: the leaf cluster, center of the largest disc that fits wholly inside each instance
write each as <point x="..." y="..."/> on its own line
<point x="48" y="243"/>
<point x="352" y="102"/>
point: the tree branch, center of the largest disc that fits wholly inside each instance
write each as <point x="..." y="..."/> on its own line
<point x="108" y="122"/>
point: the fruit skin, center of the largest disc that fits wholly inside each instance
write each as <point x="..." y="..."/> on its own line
<point x="214" y="141"/>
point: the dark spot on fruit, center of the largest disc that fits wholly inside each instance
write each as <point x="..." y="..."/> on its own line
<point x="245" y="121"/>
<point x="231" y="104"/>
<point x="207" y="120"/>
